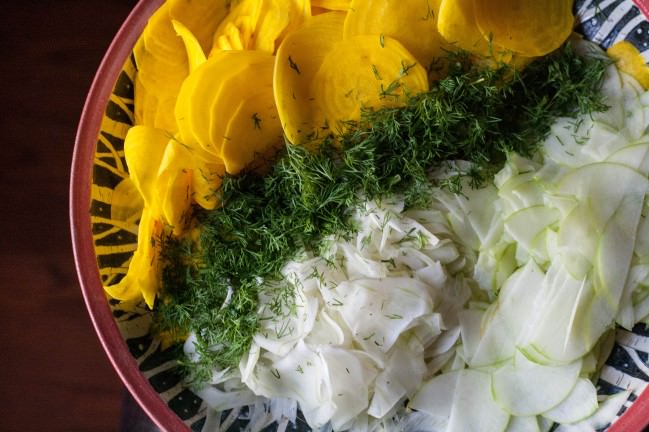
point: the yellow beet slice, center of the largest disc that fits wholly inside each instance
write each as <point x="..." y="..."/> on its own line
<point x="234" y="36"/>
<point x="527" y="27"/>
<point x="298" y="59"/>
<point x="211" y="95"/>
<point x="206" y="179"/>
<point x="162" y="57"/>
<point x="195" y="53"/>
<point x="415" y="26"/>
<point x="144" y="148"/>
<point x="279" y="17"/>
<point x="201" y="17"/>
<point x="245" y="120"/>
<point x="236" y="31"/>
<point x="365" y="71"/>
<point x="162" y="65"/>
<point x="260" y="24"/>
<point x="332" y="5"/>
<point x="185" y="177"/>
<point x="142" y="277"/>
<point x="174" y="186"/>
<point x="457" y="24"/>
<point x="193" y="110"/>
<point x="126" y="202"/>
<point x="255" y="76"/>
<point x="254" y="131"/>
<point x="146" y="106"/>
<point x="628" y="59"/>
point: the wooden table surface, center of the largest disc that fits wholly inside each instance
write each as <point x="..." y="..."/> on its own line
<point x="54" y="375"/>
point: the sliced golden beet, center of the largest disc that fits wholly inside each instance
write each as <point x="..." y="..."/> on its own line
<point x="195" y="54"/>
<point x="629" y="60"/>
<point x="274" y="17"/>
<point x="162" y="65"/>
<point x="142" y="279"/>
<point x="233" y="36"/>
<point x="126" y="202"/>
<point x="206" y="179"/>
<point x="298" y="59"/>
<point x="255" y="76"/>
<point x="201" y="17"/>
<point x="254" y="130"/>
<point x="245" y="120"/>
<point x="161" y="60"/>
<point x="176" y="199"/>
<point x="414" y="26"/>
<point x="201" y="89"/>
<point x="331" y="5"/>
<point x="527" y="27"/>
<point x="260" y="24"/>
<point x="144" y="148"/>
<point x="185" y="177"/>
<point x="174" y="186"/>
<point x="365" y="71"/>
<point x="457" y="24"/>
<point x="146" y="106"/>
<point x="284" y="17"/>
<point x="161" y="56"/>
<point x="237" y="30"/>
<point x="211" y="95"/>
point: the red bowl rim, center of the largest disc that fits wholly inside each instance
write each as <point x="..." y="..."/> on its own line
<point x="82" y="241"/>
<point x="634" y="419"/>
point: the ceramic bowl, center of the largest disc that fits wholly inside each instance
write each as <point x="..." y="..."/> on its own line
<point x="103" y="247"/>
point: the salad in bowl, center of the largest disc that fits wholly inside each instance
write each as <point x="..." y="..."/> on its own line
<point x="342" y="215"/>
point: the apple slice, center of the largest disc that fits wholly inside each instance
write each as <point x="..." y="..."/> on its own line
<point x="579" y="404"/>
<point x="526" y="388"/>
<point x="474" y="408"/>
<point x="523" y="424"/>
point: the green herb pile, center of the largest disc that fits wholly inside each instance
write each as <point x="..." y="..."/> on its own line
<point x="476" y="114"/>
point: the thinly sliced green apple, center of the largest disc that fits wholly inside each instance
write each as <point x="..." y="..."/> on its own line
<point x="507" y="317"/>
<point x="526" y="225"/>
<point x="579" y="404"/>
<point x="603" y="186"/>
<point x="474" y="408"/>
<point x="634" y="156"/>
<point x="525" y="388"/>
<point x="523" y="424"/>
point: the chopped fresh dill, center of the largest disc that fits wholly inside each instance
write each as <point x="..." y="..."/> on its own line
<point x="293" y="65"/>
<point x="476" y="114"/>
<point x="376" y="73"/>
<point x="256" y="121"/>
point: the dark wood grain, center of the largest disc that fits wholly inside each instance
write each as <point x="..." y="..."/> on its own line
<point x="54" y="374"/>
